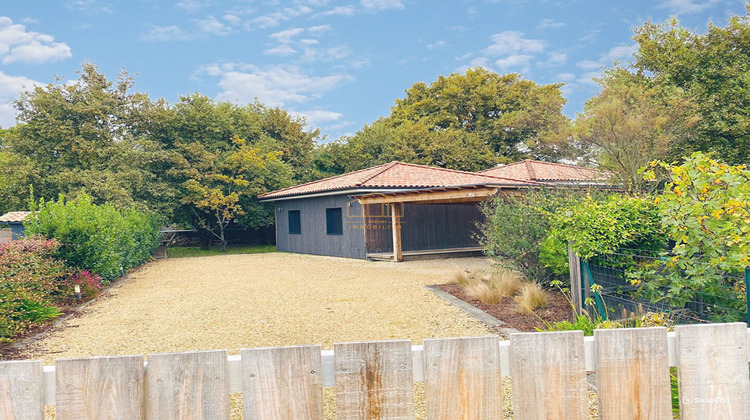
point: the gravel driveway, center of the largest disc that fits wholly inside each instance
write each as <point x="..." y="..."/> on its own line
<point x="235" y="301"/>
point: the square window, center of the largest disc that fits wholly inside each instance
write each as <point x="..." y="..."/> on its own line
<point x="334" y="221"/>
<point x="295" y="225"/>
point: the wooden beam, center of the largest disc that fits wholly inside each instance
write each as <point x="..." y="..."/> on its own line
<point x="457" y="196"/>
<point x="396" y="213"/>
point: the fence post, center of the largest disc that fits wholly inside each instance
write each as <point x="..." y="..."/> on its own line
<point x="574" y="263"/>
<point x="586" y="272"/>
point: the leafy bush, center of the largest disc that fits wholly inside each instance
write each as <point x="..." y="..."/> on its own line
<point x="31" y="281"/>
<point x="516" y="226"/>
<point x="705" y="211"/>
<point x="599" y="227"/>
<point x="99" y="238"/>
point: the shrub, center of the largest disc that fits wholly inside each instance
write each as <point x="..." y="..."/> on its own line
<point x="505" y="282"/>
<point x="99" y="238"/>
<point x="483" y="292"/>
<point x="705" y="211"/>
<point x="516" y="226"/>
<point x="532" y="297"/>
<point x="599" y="227"/>
<point x="31" y="281"/>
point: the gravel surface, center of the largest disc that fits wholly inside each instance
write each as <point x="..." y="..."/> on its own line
<point x="236" y="301"/>
<point x="258" y="300"/>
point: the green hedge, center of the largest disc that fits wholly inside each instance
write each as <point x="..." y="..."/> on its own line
<point x="99" y="238"/>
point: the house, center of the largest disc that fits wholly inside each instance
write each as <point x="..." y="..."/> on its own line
<point x="550" y="173"/>
<point x="386" y="212"/>
<point x="15" y="219"/>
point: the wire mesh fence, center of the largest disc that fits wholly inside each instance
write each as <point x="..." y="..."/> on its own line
<point x="634" y="281"/>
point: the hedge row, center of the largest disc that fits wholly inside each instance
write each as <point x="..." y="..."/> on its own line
<point x="99" y="238"/>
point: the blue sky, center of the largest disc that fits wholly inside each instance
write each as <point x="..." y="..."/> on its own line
<point x="341" y="64"/>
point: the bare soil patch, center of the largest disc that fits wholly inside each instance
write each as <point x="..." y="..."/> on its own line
<point x="558" y="309"/>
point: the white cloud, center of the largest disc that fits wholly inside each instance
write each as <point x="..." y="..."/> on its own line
<point x="588" y="78"/>
<point x="275" y="18"/>
<point x="588" y="64"/>
<point x="317" y="116"/>
<point x="514" y="61"/>
<point x="10" y="88"/>
<point x="192" y="5"/>
<point x="165" y="33"/>
<point x="680" y="7"/>
<point x="212" y="25"/>
<point x="379" y="5"/>
<point x="549" y="24"/>
<point x="319" y="29"/>
<point x="19" y="45"/>
<point x="286" y="35"/>
<point x="326" y="54"/>
<point x="273" y="86"/>
<point x="90" y="6"/>
<point x="282" y="50"/>
<point x="620" y="52"/>
<point x="338" y="11"/>
<point x="232" y="19"/>
<point x="437" y="44"/>
<point x="557" y="58"/>
<point x="565" y="77"/>
<point x="308" y="41"/>
<point x="512" y="42"/>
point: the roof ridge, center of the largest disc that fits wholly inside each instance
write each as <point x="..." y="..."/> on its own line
<point x="326" y="179"/>
<point x="532" y="174"/>
<point x="462" y="172"/>
<point x="388" y="166"/>
<point x="562" y="164"/>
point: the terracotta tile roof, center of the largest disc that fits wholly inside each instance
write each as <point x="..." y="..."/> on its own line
<point x="534" y="170"/>
<point x="14" y="216"/>
<point x="396" y="175"/>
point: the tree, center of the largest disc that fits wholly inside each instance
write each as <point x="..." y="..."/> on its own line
<point x="713" y="69"/>
<point x="85" y="135"/>
<point x="632" y="122"/>
<point x="222" y="186"/>
<point x="468" y="121"/>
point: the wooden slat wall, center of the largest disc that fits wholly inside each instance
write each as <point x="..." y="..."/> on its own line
<point x="633" y="373"/>
<point x="21" y="390"/>
<point x="462" y="378"/>
<point x="188" y="386"/>
<point x="100" y="388"/>
<point x="282" y="383"/>
<point x="374" y="380"/>
<point x="712" y="367"/>
<point x="549" y="376"/>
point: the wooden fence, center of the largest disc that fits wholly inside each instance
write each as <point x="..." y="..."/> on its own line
<point x="374" y="380"/>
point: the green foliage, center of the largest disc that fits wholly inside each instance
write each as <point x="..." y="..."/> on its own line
<point x="633" y="121"/>
<point x="599" y="227"/>
<point x="517" y="226"/>
<point x="94" y="237"/>
<point x="467" y="121"/>
<point x="31" y="281"/>
<point x="553" y="253"/>
<point x="705" y="210"/>
<point x="711" y="67"/>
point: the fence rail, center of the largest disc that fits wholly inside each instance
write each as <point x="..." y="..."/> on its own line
<point x="374" y="380"/>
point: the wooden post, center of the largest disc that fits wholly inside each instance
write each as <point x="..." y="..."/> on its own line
<point x="396" y="212"/>
<point x="574" y="262"/>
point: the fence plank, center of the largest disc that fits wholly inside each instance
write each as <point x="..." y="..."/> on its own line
<point x="22" y="390"/>
<point x="549" y="376"/>
<point x="99" y="388"/>
<point x="462" y="378"/>
<point x="282" y="383"/>
<point x="374" y="380"/>
<point x="188" y="386"/>
<point x="712" y="367"/>
<point x="633" y="373"/>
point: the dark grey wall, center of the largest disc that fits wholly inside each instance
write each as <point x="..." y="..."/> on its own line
<point x="313" y="239"/>
<point x="17" y="230"/>
<point x="425" y="227"/>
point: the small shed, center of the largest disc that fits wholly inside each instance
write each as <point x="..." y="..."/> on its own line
<point x="15" y="219"/>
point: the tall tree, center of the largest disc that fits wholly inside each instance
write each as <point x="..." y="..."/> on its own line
<point x="465" y="121"/>
<point x="713" y="68"/>
<point x="632" y="122"/>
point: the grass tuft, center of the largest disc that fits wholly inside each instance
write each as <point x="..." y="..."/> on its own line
<point x="506" y="282"/>
<point x="194" y="251"/>
<point x="484" y="293"/>
<point x="532" y="297"/>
